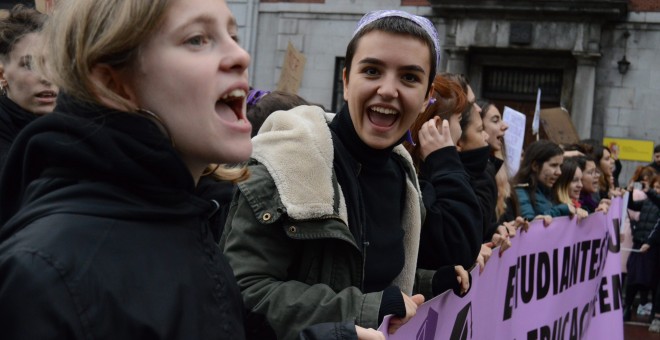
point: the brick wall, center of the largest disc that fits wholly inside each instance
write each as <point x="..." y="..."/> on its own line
<point x="644" y="5"/>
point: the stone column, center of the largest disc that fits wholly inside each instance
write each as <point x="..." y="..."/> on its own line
<point x="456" y="59"/>
<point x="582" y="110"/>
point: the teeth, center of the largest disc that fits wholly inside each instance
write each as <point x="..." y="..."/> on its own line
<point x="384" y="110"/>
<point x="234" y="94"/>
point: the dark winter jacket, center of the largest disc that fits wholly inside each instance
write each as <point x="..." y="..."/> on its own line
<point x="482" y="171"/>
<point x="648" y="216"/>
<point x="13" y="119"/>
<point x="543" y="206"/>
<point x="288" y="237"/>
<point x="102" y="236"/>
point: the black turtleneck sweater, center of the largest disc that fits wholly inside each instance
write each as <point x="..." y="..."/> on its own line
<point x="374" y="188"/>
<point x="13" y="119"/>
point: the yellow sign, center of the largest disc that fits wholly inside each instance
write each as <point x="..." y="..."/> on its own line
<point x="292" y="70"/>
<point x="630" y="149"/>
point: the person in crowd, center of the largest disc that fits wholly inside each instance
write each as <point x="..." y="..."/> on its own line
<point x="102" y="234"/>
<point x="333" y="241"/>
<point x="568" y="186"/>
<point x="451" y="233"/>
<point x="262" y="103"/>
<point x="24" y="93"/>
<point x="495" y="127"/>
<point x="589" y="198"/>
<point x="638" y="186"/>
<point x="539" y="170"/>
<point x="617" y="167"/>
<point x="605" y="164"/>
<point x="642" y="267"/>
<point x="654" y="241"/>
<point x="655" y="163"/>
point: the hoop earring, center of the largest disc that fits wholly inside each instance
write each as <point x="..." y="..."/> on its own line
<point x="158" y="122"/>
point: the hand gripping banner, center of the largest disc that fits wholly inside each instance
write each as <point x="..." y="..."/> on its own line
<point x="562" y="281"/>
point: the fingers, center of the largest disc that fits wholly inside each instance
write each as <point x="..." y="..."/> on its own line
<point x="433" y="136"/>
<point x="368" y="334"/>
<point x="419" y="298"/>
<point x="547" y="220"/>
<point x="411" y="303"/>
<point x="463" y="279"/>
<point x="481" y="262"/>
<point x="395" y="324"/>
<point x="486" y="252"/>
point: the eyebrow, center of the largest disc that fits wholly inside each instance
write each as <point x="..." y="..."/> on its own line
<point x="374" y="61"/>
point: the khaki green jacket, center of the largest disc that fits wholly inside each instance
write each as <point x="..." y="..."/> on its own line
<point x="287" y="237"/>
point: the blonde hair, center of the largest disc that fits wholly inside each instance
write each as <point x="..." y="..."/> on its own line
<point x="82" y="34"/>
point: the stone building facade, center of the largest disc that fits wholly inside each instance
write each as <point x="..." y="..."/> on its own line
<point x="570" y="48"/>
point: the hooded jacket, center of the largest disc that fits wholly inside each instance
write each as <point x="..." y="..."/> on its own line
<point x="102" y="236"/>
<point x="288" y="239"/>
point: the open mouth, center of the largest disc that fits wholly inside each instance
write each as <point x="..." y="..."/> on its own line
<point x="46" y="95"/>
<point x="382" y="116"/>
<point x="234" y="100"/>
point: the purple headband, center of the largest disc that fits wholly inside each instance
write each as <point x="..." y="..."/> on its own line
<point x="424" y="23"/>
<point x="254" y="96"/>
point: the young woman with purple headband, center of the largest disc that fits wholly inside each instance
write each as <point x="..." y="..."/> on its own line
<point x="323" y="237"/>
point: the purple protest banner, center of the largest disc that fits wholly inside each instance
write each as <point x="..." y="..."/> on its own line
<point x="555" y="282"/>
<point x="607" y="321"/>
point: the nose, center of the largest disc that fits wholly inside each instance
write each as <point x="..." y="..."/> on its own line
<point x="505" y="126"/>
<point x="387" y="88"/>
<point x="235" y="58"/>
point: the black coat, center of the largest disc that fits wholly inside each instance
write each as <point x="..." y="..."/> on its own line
<point x="453" y="230"/>
<point x="102" y="236"/>
<point x="13" y="119"/>
<point x="482" y="170"/>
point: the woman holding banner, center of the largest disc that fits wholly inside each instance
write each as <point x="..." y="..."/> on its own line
<point x="333" y="241"/>
<point x="539" y="170"/>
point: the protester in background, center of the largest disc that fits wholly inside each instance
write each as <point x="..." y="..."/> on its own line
<point x="262" y="103"/>
<point x="642" y="267"/>
<point x="614" y="148"/>
<point x="539" y="170"/>
<point x="495" y="126"/>
<point x="452" y="230"/>
<point x="655" y="164"/>
<point x="334" y="239"/>
<point x="638" y="186"/>
<point x="102" y="235"/>
<point x="589" y="198"/>
<point x="654" y="241"/>
<point x="568" y="186"/>
<point x="24" y="92"/>
<point x="605" y="164"/>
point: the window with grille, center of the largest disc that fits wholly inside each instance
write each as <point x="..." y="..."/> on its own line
<point x="518" y="83"/>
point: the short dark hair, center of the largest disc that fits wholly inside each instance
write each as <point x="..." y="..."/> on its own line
<point x="395" y="25"/>
<point x="656" y="149"/>
<point x="20" y="22"/>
